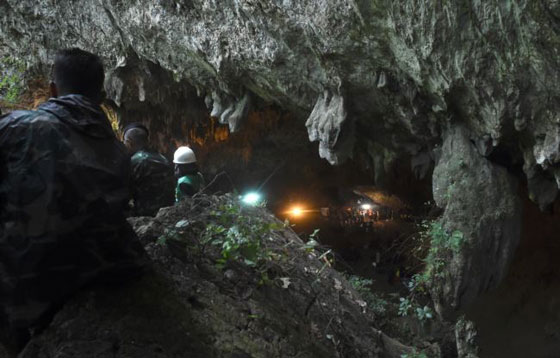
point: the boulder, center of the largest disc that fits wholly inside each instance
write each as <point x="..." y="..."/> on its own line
<point x="188" y="306"/>
<point x="481" y="203"/>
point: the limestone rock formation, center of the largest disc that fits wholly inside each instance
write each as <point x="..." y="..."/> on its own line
<point x="466" y="336"/>
<point x="326" y="124"/>
<point x="377" y="80"/>
<point x="480" y="201"/>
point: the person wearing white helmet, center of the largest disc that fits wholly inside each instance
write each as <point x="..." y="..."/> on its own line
<point x="189" y="179"/>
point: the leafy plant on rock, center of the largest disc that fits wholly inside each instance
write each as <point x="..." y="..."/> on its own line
<point x="409" y="305"/>
<point x="239" y="235"/>
<point x="312" y="243"/>
<point x="415" y="354"/>
<point x="11" y="80"/>
<point x="443" y="245"/>
<point x="363" y="286"/>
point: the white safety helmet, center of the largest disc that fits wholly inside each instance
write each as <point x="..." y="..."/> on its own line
<point x="184" y="155"/>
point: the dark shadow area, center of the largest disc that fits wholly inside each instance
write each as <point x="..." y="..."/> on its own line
<point x="522" y="317"/>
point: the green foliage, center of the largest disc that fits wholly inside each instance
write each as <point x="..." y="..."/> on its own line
<point x="363" y="286"/>
<point x="443" y="244"/>
<point x="167" y="235"/>
<point x="405" y="306"/>
<point x="239" y="235"/>
<point x="424" y="313"/>
<point x="360" y="284"/>
<point x="442" y="239"/>
<point x="11" y="80"/>
<point x="312" y="244"/>
<point x="414" y="354"/>
<point x="409" y="305"/>
<point x="314" y="235"/>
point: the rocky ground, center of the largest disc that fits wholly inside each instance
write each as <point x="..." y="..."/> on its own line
<point x="227" y="281"/>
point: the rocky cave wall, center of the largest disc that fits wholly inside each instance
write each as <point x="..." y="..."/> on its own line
<point x="375" y="79"/>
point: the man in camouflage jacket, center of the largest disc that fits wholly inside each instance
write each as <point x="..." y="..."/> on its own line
<point x="63" y="193"/>
<point x="152" y="179"/>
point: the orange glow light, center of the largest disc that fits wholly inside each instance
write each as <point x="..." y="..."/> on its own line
<point x="296" y="211"/>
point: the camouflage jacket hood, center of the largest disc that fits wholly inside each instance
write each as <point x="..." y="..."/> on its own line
<point x="81" y="113"/>
<point x="64" y="187"/>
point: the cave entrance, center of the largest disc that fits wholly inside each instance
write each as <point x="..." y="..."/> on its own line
<point x="368" y="228"/>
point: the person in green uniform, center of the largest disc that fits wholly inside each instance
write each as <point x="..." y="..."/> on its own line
<point x="189" y="179"/>
<point x="151" y="177"/>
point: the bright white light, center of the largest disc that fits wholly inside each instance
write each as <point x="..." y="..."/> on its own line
<point x="366" y="206"/>
<point x="251" y="198"/>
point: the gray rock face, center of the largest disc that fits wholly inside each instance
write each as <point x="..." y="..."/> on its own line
<point x="399" y="68"/>
<point x="480" y="200"/>
<point x="466" y="337"/>
<point x="377" y="79"/>
<point x="326" y="124"/>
